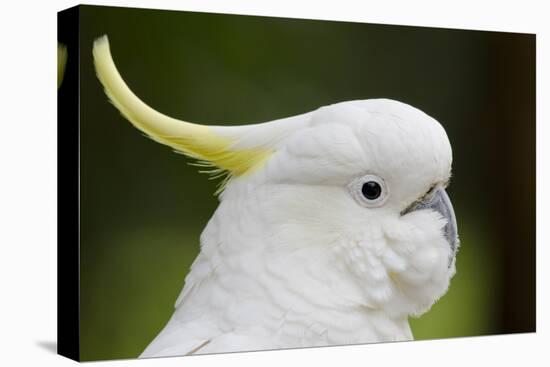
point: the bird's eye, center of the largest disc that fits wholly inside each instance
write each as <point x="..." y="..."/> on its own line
<point x="369" y="190"/>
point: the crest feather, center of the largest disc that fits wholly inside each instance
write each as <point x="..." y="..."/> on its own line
<point x="196" y="141"/>
<point x="61" y="62"/>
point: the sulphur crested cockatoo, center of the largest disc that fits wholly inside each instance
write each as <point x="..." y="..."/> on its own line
<point x="333" y="227"/>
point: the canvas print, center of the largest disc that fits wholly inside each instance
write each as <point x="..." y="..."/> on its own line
<point x="244" y="183"/>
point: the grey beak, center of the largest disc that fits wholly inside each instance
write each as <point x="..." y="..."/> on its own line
<point x="440" y="202"/>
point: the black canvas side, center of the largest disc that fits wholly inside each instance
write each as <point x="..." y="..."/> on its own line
<point x="68" y="189"/>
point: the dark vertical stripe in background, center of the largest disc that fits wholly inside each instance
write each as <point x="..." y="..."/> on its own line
<point x="512" y="118"/>
<point x="68" y="335"/>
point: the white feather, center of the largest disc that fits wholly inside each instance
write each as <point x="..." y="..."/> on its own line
<point x="290" y="259"/>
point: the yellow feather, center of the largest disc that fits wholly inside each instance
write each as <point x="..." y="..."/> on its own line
<point x="197" y="141"/>
<point x="61" y="62"/>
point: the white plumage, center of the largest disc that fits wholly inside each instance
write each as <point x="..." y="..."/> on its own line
<point x="297" y="254"/>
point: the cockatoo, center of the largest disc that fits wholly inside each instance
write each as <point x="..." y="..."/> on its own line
<point x="333" y="226"/>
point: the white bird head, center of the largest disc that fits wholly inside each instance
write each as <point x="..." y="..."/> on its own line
<point x="351" y="196"/>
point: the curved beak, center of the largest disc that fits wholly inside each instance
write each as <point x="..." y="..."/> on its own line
<point x="440" y="202"/>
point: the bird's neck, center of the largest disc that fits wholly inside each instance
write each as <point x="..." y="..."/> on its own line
<point x="295" y="291"/>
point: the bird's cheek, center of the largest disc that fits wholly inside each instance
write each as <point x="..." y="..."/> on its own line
<point x="426" y="263"/>
<point x="418" y="242"/>
<point x="425" y="278"/>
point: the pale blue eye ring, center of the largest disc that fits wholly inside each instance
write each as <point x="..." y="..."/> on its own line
<point x="369" y="190"/>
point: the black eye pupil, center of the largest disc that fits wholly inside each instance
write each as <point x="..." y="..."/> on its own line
<point x="371" y="190"/>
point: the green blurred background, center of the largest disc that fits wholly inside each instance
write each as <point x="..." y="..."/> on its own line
<point x="143" y="207"/>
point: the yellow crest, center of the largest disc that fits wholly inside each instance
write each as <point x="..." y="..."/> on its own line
<point x="197" y="141"/>
<point x="61" y="62"/>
